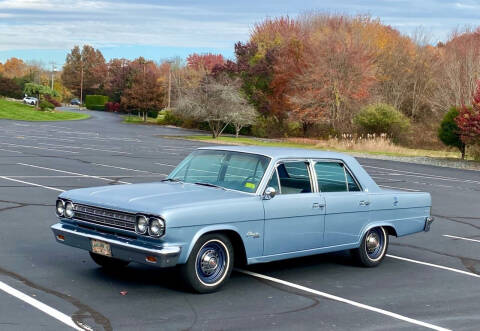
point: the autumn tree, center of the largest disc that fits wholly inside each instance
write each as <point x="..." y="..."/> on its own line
<point x="144" y="92"/>
<point x="14" y="68"/>
<point x="9" y="88"/>
<point x="119" y="71"/>
<point x="217" y="101"/>
<point x="84" y="70"/>
<point x="336" y="80"/>
<point x="459" y="70"/>
<point x="204" y="61"/>
<point x="468" y="120"/>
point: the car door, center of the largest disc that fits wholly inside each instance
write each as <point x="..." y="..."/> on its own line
<point x="294" y="218"/>
<point x="347" y="205"/>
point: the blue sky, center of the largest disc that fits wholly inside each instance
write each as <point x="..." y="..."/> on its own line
<point x="45" y="30"/>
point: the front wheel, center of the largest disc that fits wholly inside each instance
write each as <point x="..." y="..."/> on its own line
<point x="108" y="262"/>
<point x="210" y="263"/>
<point x="373" y="247"/>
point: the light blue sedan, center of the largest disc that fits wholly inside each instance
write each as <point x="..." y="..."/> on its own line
<point x="240" y="204"/>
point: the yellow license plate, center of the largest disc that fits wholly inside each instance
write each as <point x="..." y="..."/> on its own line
<point x="100" y="247"/>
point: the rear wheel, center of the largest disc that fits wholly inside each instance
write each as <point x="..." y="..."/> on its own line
<point x="210" y="263"/>
<point x="373" y="247"/>
<point x="108" y="262"/>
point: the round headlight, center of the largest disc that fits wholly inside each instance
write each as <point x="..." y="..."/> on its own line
<point x="141" y="225"/>
<point x="156" y="227"/>
<point x="60" y="207"/>
<point x="69" y="210"/>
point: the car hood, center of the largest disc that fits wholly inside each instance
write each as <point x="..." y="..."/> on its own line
<point x="152" y="198"/>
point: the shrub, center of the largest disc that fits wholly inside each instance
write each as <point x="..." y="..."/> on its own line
<point x="9" y="88"/>
<point x="96" y="102"/>
<point x="112" y="106"/>
<point x="167" y="117"/>
<point x="53" y="101"/>
<point x="449" y="132"/>
<point x="46" y="106"/>
<point x="382" y="118"/>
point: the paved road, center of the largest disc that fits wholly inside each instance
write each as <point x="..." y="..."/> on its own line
<point x="37" y="161"/>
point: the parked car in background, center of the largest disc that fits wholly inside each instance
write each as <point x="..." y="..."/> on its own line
<point x="30" y="101"/>
<point x="75" y="102"/>
<point x="248" y="205"/>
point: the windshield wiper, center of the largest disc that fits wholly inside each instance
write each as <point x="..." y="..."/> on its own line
<point x="174" y="180"/>
<point x="209" y="185"/>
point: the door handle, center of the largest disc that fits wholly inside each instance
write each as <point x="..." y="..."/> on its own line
<point x="318" y="205"/>
<point x="364" y="203"/>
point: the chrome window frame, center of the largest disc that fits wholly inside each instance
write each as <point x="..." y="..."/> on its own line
<point x="345" y="170"/>
<point x="311" y="174"/>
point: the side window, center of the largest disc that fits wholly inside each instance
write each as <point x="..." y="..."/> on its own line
<point x="294" y="177"/>
<point x="333" y="177"/>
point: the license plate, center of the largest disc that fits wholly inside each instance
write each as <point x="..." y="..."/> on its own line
<point x="100" y="247"/>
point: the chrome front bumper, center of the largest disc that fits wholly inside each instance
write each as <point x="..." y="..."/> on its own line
<point x="122" y="248"/>
<point x="428" y="222"/>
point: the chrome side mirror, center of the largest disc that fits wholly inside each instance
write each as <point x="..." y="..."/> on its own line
<point x="270" y="192"/>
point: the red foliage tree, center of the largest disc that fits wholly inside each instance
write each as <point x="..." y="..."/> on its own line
<point x="468" y="120"/>
<point x="204" y="61"/>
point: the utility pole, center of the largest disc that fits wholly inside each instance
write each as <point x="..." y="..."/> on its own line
<point x="53" y="72"/>
<point x="81" y="87"/>
<point x="169" y="84"/>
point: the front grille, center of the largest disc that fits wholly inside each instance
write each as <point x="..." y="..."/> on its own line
<point x="112" y="218"/>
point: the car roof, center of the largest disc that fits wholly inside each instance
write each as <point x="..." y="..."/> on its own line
<point x="281" y="152"/>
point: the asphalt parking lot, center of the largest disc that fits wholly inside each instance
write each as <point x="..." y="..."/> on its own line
<point x="429" y="280"/>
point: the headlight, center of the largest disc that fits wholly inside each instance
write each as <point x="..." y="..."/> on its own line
<point x="69" y="210"/>
<point x="60" y="207"/>
<point x="156" y="227"/>
<point x="141" y="225"/>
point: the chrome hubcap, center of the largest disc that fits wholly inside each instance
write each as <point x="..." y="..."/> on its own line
<point x="209" y="262"/>
<point x="373" y="241"/>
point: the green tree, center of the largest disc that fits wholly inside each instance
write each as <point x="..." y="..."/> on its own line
<point x="39" y="91"/>
<point x="382" y="118"/>
<point x="449" y="132"/>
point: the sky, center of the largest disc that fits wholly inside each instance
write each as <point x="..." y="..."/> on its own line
<point x="46" y="30"/>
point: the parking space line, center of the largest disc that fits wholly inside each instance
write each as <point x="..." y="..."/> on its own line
<point x="65" y="319"/>
<point x="87" y="148"/>
<point x="423" y="175"/>
<point x="343" y="300"/>
<point x="33" y="184"/>
<point x="73" y="173"/>
<point x="123" y="168"/>
<point x="164" y="164"/>
<point x="471" y="274"/>
<point x="7" y="150"/>
<point x="461" y="238"/>
<point x="44" y="148"/>
<point x="399" y="188"/>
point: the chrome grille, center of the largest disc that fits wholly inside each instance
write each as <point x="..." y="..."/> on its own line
<point x="103" y="216"/>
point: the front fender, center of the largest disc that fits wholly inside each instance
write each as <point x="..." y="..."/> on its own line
<point x="208" y="229"/>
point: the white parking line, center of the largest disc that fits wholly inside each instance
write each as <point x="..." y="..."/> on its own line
<point x="461" y="238"/>
<point x="44" y="148"/>
<point x="33" y="184"/>
<point x="423" y="175"/>
<point x="7" y="150"/>
<point x="400" y="188"/>
<point x="87" y="148"/>
<point x="165" y="164"/>
<point x="39" y="305"/>
<point x="343" y="300"/>
<point x="72" y="173"/>
<point x="471" y="274"/>
<point x="130" y="169"/>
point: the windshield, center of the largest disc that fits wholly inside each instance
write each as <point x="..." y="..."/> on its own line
<point x="227" y="169"/>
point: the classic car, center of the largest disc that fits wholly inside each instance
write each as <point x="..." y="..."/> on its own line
<point x="244" y="204"/>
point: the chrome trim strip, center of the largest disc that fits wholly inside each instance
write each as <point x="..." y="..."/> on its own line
<point x="167" y="250"/>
